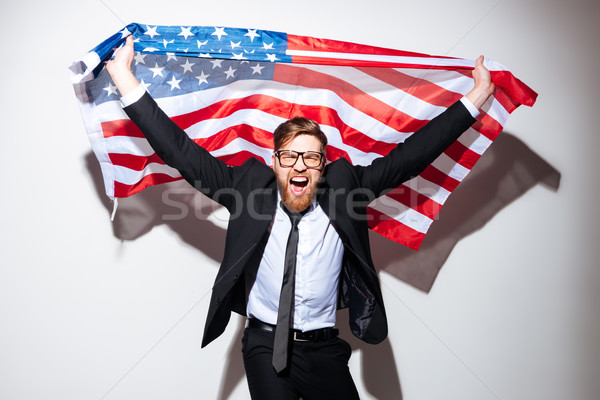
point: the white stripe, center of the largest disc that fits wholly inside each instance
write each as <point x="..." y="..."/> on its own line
<point x="428" y="189"/>
<point x="238" y="145"/>
<point x="475" y="141"/>
<point x="401" y="213"/>
<point x="130" y="177"/>
<point x="450" y="167"/>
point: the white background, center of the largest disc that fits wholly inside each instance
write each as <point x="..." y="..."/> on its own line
<point x="513" y="313"/>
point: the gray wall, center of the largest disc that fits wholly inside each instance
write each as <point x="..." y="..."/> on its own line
<point x="512" y="314"/>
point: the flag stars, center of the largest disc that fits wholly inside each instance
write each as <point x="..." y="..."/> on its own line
<point x="200" y="44"/>
<point x="257" y="69"/>
<point x="171" y="56"/>
<point x="216" y="63"/>
<point x="234" y="45"/>
<point x="230" y="72"/>
<point x="202" y="78"/>
<point x="187" y="66"/>
<point x="111" y="89"/>
<point x="174" y="83"/>
<point x="252" y="34"/>
<point x="272" y="57"/>
<point x="219" y="32"/>
<point x="151" y="32"/>
<point x="139" y="58"/>
<point x="185" y="32"/>
<point x="156" y="71"/>
<point x="167" y="42"/>
<point x="268" y="46"/>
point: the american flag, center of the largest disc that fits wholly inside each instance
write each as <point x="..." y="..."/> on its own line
<point x="229" y="88"/>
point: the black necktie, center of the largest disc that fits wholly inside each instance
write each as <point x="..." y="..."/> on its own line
<point x="286" y="297"/>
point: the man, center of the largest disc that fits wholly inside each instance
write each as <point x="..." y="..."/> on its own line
<point x="297" y="246"/>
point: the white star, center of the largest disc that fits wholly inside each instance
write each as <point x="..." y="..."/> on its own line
<point x="271" y="57"/>
<point x="111" y="89"/>
<point x="156" y="70"/>
<point x="202" y="78"/>
<point x="185" y="32"/>
<point x="139" y="58"/>
<point x="187" y="66"/>
<point x="151" y="32"/>
<point x="252" y="33"/>
<point x="166" y="42"/>
<point x="238" y="56"/>
<point x="124" y="33"/>
<point x="230" y="72"/>
<point x="268" y="46"/>
<point x="174" y="83"/>
<point x="200" y="44"/>
<point x="216" y="63"/>
<point x="150" y="49"/>
<point x="219" y="32"/>
<point x="205" y="55"/>
<point x="145" y="85"/>
<point x="257" y="69"/>
<point x="234" y="45"/>
<point x="171" y="56"/>
<point x="248" y="52"/>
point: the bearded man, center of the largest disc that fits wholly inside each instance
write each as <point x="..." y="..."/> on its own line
<point x="297" y="245"/>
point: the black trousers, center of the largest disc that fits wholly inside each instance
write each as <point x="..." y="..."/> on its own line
<point x="317" y="371"/>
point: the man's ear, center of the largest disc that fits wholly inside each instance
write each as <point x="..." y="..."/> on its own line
<point x="273" y="160"/>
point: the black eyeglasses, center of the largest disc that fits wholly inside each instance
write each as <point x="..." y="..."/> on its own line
<point x="288" y="158"/>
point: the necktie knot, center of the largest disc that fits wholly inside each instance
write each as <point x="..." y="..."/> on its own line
<point x="295" y="217"/>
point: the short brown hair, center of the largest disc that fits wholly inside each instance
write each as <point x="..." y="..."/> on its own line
<point x="290" y="129"/>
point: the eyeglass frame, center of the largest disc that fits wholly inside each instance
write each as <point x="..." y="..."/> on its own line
<point x="299" y="154"/>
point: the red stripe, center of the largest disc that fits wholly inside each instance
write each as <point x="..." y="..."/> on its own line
<point x="434" y="175"/>
<point x="418" y="87"/>
<point x="124" y="190"/>
<point x="394" y="230"/>
<point x="462" y="154"/>
<point x="315" y="44"/>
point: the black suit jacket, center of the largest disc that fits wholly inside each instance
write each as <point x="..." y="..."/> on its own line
<point x="249" y="192"/>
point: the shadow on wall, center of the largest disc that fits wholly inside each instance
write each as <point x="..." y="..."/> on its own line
<point x="504" y="173"/>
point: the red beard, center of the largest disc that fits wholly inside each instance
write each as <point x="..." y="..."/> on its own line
<point x="296" y="203"/>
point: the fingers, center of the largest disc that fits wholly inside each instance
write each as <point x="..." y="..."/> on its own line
<point x="479" y="61"/>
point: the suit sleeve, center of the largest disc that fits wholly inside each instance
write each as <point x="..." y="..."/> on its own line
<point x="410" y="158"/>
<point x="176" y="149"/>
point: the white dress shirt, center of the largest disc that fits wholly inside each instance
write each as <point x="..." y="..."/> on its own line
<point x="318" y="267"/>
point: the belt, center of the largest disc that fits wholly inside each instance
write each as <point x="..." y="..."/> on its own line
<point x="316" y="335"/>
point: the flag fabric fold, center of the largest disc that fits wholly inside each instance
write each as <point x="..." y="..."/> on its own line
<point x="229" y="88"/>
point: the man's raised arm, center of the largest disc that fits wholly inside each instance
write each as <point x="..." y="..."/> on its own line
<point x="119" y="68"/>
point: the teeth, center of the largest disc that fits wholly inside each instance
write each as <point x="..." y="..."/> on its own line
<point x="299" y="179"/>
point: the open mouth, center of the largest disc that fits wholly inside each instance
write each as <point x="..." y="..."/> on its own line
<point x="299" y="185"/>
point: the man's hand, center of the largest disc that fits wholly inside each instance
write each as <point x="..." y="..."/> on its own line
<point x="484" y="86"/>
<point x="119" y="68"/>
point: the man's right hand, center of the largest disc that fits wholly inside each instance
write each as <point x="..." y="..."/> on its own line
<point x="119" y="68"/>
